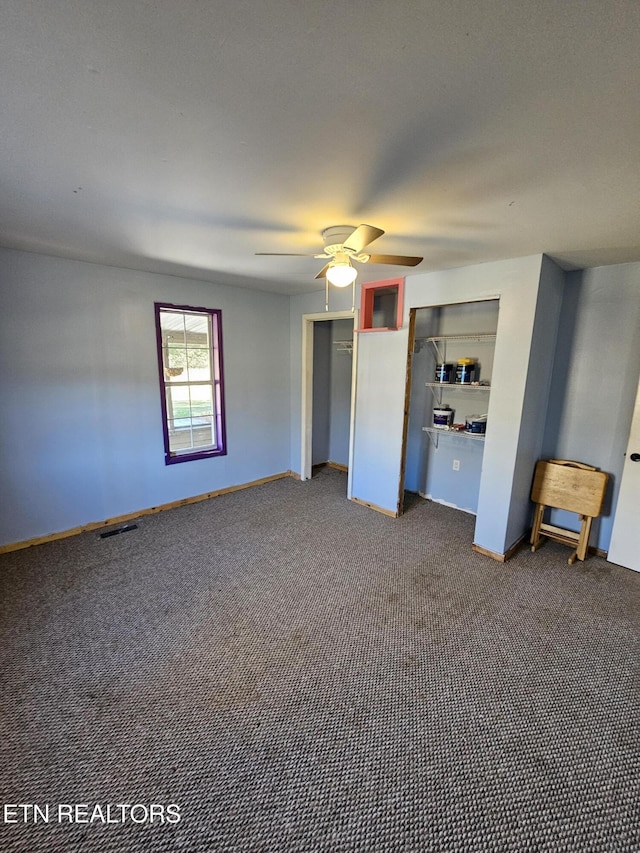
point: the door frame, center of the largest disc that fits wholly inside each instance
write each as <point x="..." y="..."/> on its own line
<point x="307" y="389"/>
<point x="407" y="404"/>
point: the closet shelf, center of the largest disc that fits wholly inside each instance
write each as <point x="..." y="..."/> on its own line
<point x="434" y="432"/>
<point x="448" y="431"/>
<point x="458" y="386"/>
<point x="445" y="339"/>
<point x="476" y="338"/>
<point x="439" y="388"/>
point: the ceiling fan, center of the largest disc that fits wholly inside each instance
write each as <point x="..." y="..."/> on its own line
<point x="344" y="244"/>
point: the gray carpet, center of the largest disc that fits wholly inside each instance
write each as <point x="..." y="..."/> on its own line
<point x="298" y="673"/>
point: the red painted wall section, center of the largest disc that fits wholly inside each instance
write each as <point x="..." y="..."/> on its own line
<point x="368" y="293"/>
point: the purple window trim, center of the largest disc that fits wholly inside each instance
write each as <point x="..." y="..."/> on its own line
<point x="217" y="367"/>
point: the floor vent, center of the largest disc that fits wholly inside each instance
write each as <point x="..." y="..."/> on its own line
<point x="125" y="529"/>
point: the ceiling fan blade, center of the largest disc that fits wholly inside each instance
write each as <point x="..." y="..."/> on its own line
<point x="361" y="237"/>
<point x="323" y="271"/>
<point x="286" y="255"/>
<point x="394" y="260"/>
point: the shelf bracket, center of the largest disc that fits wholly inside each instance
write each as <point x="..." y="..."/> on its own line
<point x="433" y="438"/>
<point x="437" y="396"/>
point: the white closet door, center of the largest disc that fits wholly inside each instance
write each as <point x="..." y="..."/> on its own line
<point x="625" y="537"/>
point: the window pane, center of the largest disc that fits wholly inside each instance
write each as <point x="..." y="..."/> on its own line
<point x="197" y="330"/>
<point x="178" y="406"/>
<point x="199" y="365"/>
<point x="172" y="326"/>
<point x="175" y="362"/>
<point x="203" y="436"/>
<point x="201" y="401"/>
<point x="179" y="438"/>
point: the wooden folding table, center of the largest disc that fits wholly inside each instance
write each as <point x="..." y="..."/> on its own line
<point x="571" y="486"/>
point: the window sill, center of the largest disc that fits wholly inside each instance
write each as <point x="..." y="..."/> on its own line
<point x="189" y="456"/>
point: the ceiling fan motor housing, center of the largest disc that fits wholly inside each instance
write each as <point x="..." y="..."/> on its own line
<point x="335" y="237"/>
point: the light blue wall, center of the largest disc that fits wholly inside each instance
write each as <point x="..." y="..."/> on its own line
<point x="379" y="417"/>
<point x="517" y="409"/>
<point x="536" y="398"/>
<point x="595" y="378"/>
<point x="460" y="488"/>
<point x="82" y="436"/>
<point x="321" y="429"/>
<point x="340" y="412"/>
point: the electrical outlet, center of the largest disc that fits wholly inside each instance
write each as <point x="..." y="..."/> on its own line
<point x="456" y="464"/>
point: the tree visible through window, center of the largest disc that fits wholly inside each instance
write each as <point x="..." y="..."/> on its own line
<point x="190" y="365"/>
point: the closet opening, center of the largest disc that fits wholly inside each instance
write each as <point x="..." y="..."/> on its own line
<point x="329" y="351"/>
<point x="448" y="409"/>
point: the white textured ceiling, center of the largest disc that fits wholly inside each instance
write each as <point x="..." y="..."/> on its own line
<point x="184" y="136"/>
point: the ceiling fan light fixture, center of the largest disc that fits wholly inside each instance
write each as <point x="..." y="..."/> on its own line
<point x="341" y="273"/>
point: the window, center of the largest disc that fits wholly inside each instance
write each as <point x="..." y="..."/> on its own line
<point x="190" y="367"/>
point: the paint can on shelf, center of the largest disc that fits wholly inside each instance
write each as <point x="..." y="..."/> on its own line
<point x="445" y="373"/>
<point x="466" y="371"/>
<point x="476" y="424"/>
<point x="442" y="417"/>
